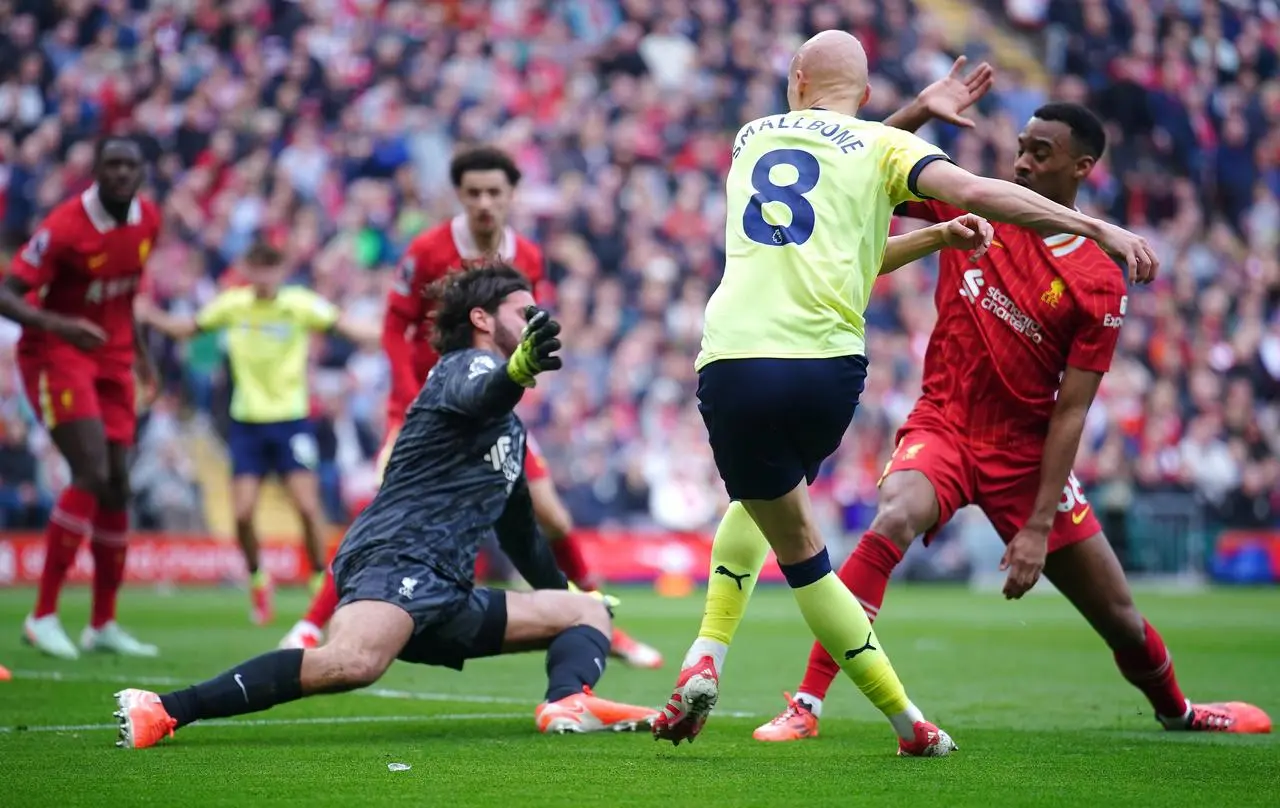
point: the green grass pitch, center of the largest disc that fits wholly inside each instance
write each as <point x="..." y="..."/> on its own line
<point x="1030" y="694"/>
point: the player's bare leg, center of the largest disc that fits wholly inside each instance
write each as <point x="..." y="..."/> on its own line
<point x="303" y="488"/>
<point x="574" y="629"/>
<point x="1090" y="576"/>
<point x="908" y="507"/>
<point x="244" y="501"/>
<point x="366" y="638"/>
<point x="83" y="443"/>
<point x="110" y="547"/>
<point x="557" y="526"/>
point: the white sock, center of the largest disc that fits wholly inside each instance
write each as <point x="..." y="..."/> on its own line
<point x="1177" y="722"/>
<point x="904" y="722"/>
<point x="704" y="647"/>
<point x="811" y="702"/>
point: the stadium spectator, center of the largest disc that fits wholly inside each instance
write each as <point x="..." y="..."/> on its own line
<point x="323" y="126"/>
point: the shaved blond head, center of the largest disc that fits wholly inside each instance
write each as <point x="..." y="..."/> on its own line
<point x="829" y="70"/>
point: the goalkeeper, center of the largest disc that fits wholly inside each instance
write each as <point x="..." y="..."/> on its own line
<point x="404" y="570"/>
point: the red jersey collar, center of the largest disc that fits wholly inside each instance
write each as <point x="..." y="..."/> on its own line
<point x="102" y="221"/>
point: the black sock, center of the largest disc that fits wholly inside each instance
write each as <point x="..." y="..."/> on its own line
<point x="806" y="572"/>
<point x="575" y="659"/>
<point x="262" y="682"/>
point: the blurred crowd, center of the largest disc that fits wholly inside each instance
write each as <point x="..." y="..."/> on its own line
<point x="327" y="125"/>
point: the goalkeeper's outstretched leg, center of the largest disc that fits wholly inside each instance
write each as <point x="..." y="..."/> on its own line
<point x="368" y="635"/>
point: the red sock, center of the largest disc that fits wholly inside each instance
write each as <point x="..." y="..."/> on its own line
<point x="70" y="522"/>
<point x="324" y="604"/>
<point x="866" y="572"/>
<point x="573" y="563"/>
<point x="110" y="546"/>
<point x="1149" y="667"/>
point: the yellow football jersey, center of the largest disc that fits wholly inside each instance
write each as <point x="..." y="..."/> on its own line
<point x="267" y="343"/>
<point x="809" y="199"/>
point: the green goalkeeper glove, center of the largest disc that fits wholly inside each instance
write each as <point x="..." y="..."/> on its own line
<point x="536" y="352"/>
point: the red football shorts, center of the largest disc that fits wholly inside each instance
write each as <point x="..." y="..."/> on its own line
<point x="70" y="386"/>
<point x="1000" y="480"/>
<point x="535" y="468"/>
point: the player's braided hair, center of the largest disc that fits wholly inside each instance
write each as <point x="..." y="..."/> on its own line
<point x="459" y="293"/>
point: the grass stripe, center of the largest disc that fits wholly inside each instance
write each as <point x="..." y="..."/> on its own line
<point x="284" y="722"/>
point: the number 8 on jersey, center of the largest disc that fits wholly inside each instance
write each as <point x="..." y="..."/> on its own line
<point x="770" y="196"/>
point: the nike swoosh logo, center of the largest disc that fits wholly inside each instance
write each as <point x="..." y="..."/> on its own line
<point x="240" y="682"/>
<point x="1077" y="518"/>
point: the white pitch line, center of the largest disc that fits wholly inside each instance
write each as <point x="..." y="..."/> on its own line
<point x="170" y="681"/>
<point x="283" y="722"/>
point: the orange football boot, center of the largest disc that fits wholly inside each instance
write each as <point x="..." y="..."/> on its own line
<point x="1231" y="716"/>
<point x="633" y="652"/>
<point x="795" y="723"/>
<point x="143" y="720"/>
<point x="4" y="674"/>
<point x="587" y="712"/>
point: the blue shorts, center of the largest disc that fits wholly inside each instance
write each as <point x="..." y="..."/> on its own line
<point x="773" y="421"/>
<point x="280" y="448"/>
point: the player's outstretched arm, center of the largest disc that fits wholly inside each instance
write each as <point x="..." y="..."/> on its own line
<point x="968" y="232"/>
<point x="1024" y="557"/>
<point x="1008" y="202"/>
<point x="484" y="392"/>
<point x="946" y="98"/>
<point x="173" y="326"/>
<point x="525" y="545"/>
<point x="361" y="332"/>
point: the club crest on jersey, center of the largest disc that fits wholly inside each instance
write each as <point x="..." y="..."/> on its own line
<point x="144" y="249"/>
<point x="97" y="261"/>
<point x="1053" y="295"/>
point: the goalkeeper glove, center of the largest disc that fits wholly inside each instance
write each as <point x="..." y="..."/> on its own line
<point x="536" y="351"/>
<point x="608" y="600"/>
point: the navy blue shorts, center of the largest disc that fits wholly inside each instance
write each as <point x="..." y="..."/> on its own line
<point x="280" y="448"/>
<point x="452" y="623"/>
<point x="773" y="421"/>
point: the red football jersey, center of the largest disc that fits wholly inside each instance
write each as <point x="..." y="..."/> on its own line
<point x="1009" y="325"/>
<point x="445" y="248"/>
<point x="82" y="263"/>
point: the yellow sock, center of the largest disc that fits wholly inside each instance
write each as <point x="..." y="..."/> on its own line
<point x="737" y="555"/>
<point x="840" y="624"/>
